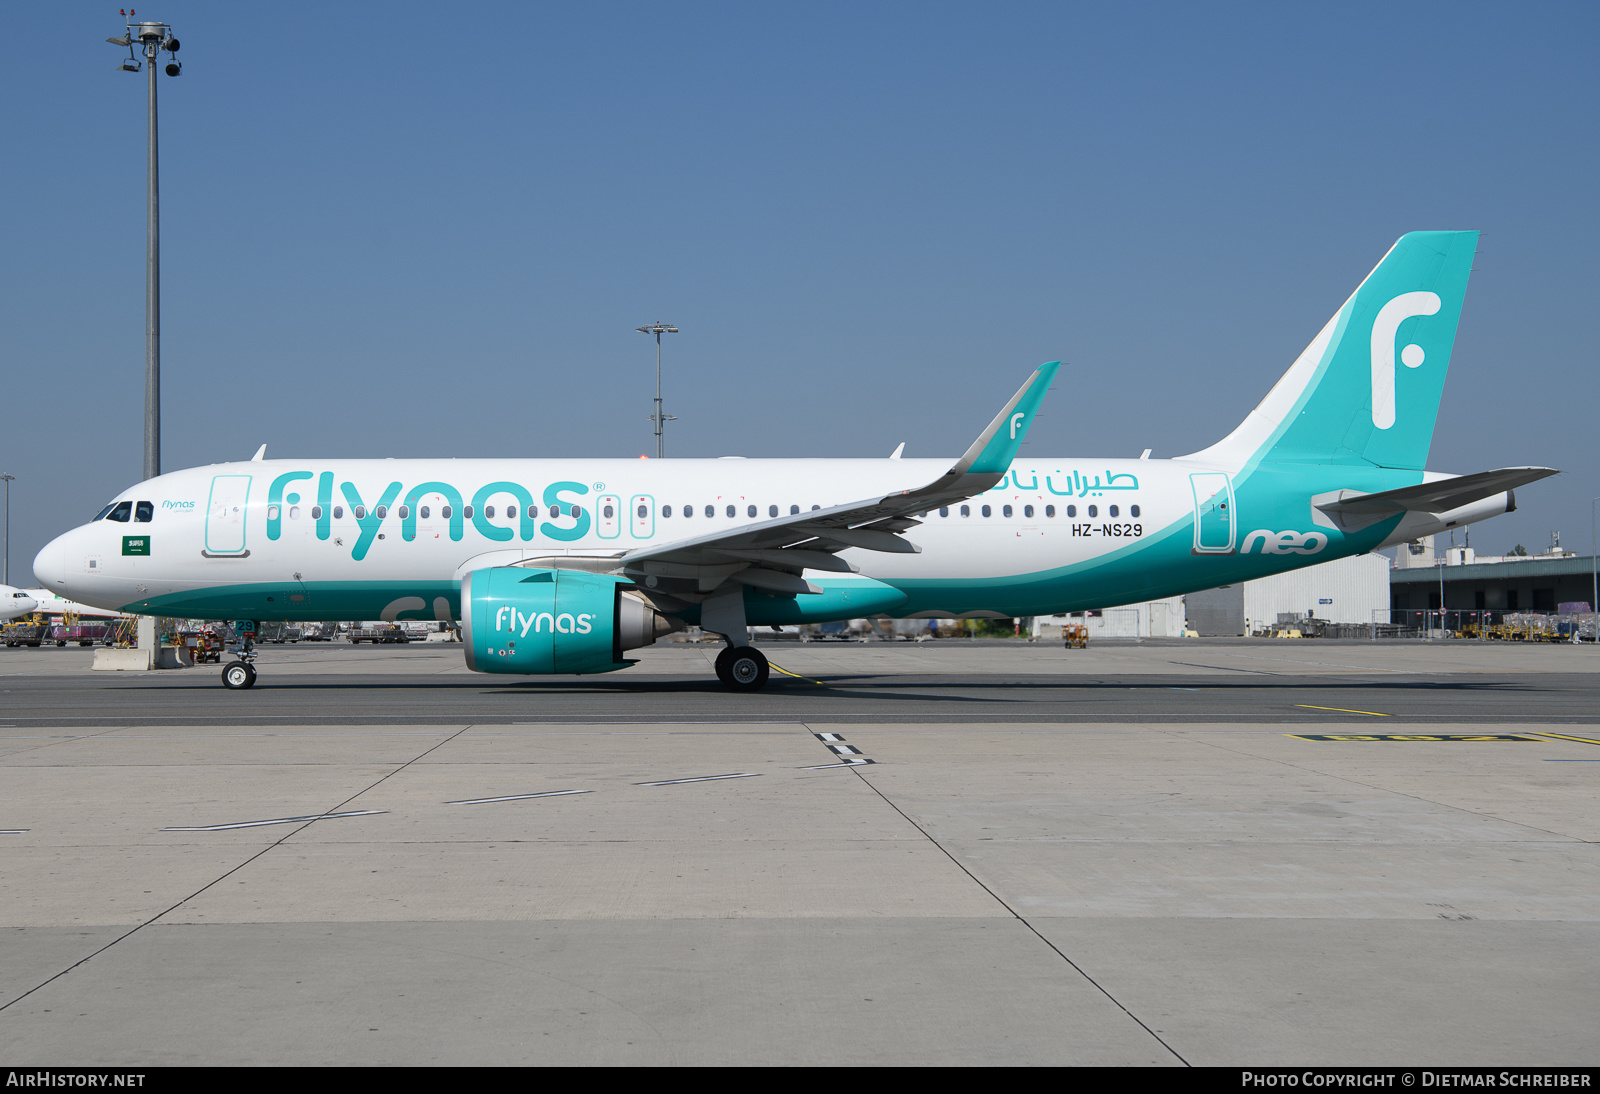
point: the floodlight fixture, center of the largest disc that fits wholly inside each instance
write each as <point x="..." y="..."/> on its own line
<point x="660" y="419"/>
<point x="151" y="39"/>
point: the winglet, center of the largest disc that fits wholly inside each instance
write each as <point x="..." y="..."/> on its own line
<point x="997" y="446"/>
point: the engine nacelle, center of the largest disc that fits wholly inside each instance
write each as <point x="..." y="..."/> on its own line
<point x="525" y="621"/>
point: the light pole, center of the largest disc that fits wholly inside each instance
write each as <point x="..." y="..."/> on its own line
<point x="1594" y="566"/>
<point x="5" y="567"/>
<point x="150" y="39"/>
<point x="658" y="329"/>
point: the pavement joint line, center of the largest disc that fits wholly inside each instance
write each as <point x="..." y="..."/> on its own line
<point x="274" y="845"/>
<point x="1019" y="918"/>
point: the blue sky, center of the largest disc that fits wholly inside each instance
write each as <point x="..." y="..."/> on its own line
<point x="408" y="229"/>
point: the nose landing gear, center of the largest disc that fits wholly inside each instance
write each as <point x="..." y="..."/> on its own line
<point x="241" y="674"/>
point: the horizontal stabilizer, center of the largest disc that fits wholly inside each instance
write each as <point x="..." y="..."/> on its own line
<point x="1433" y="497"/>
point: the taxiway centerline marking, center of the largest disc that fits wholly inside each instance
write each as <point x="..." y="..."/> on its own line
<point x="1566" y="737"/>
<point x="1342" y="710"/>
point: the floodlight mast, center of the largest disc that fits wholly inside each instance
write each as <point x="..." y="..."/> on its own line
<point x="658" y="329"/>
<point x="151" y="38"/>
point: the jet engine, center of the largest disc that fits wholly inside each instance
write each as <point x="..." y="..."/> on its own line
<point x="525" y="621"/>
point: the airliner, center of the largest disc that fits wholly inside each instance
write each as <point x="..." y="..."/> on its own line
<point x="563" y="566"/>
<point x="16" y="603"/>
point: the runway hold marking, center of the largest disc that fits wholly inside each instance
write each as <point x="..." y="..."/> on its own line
<point x="276" y="820"/>
<point x="703" y="779"/>
<point x="518" y="797"/>
<point x="1342" y="710"/>
<point x="1411" y="737"/>
<point x="1566" y="737"/>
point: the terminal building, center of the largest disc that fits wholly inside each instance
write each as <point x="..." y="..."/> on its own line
<point x="1362" y="591"/>
<point x="1461" y="580"/>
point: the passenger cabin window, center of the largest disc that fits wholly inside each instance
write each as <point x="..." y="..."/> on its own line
<point x="772" y="510"/>
<point x="644" y="511"/>
<point x="1113" y="510"/>
<point x="1049" y="510"/>
<point x="1027" y="510"/>
<point x="688" y="510"/>
<point x="360" y="511"/>
<point x="143" y="512"/>
<point x="732" y="511"/>
<point x="1133" y="511"/>
<point x="316" y="512"/>
<point x="382" y="511"/>
<point x="944" y="510"/>
<point x="1094" y="510"/>
<point x="338" y="512"/>
<point x="987" y="511"/>
<point x="444" y="511"/>
<point x="750" y="511"/>
<point x="966" y="510"/>
<point x="405" y="511"/>
<point x="794" y="510"/>
<point x="422" y="512"/>
<point x="666" y="510"/>
<point x="1072" y="510"/>
<point x="711" y="510"/>
<point x="1005" y="510"/>
<point x="814" y="508"/>
<point x="466" y="511"/>
<point x="272" y="512"/>
<point x="577" y="510"/>
<point x="609" y="512"/>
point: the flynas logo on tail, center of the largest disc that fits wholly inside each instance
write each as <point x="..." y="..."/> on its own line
<point x="1390" y="316"/>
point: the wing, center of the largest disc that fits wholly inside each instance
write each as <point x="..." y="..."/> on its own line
<point x="771" y="554"/>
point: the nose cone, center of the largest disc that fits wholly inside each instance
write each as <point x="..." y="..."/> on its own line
<point x="50" y="565"/>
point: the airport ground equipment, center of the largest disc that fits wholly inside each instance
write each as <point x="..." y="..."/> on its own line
<point x="1075" y="636"/>
<point x="385" y="634"/>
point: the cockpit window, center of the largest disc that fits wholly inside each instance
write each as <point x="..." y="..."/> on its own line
<point x="143" y="512"/>
<point x="120" y="512"/>
<point x="102" y="514"/>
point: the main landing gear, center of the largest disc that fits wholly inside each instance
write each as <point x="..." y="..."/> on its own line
<point x="742" y="668"/>
<point x="241" y="674"/>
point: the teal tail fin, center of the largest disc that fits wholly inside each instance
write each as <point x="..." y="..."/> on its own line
<point x="1367" y="389"/>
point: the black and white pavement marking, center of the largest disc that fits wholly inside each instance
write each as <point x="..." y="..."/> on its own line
<point x="834" y="742"/>
<point x="275" y="820"/>
<point x="702" y="779"/>
<point x="518" y="797"/>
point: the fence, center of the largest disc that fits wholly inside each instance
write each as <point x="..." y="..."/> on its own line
<point x="1484" y="625"/>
